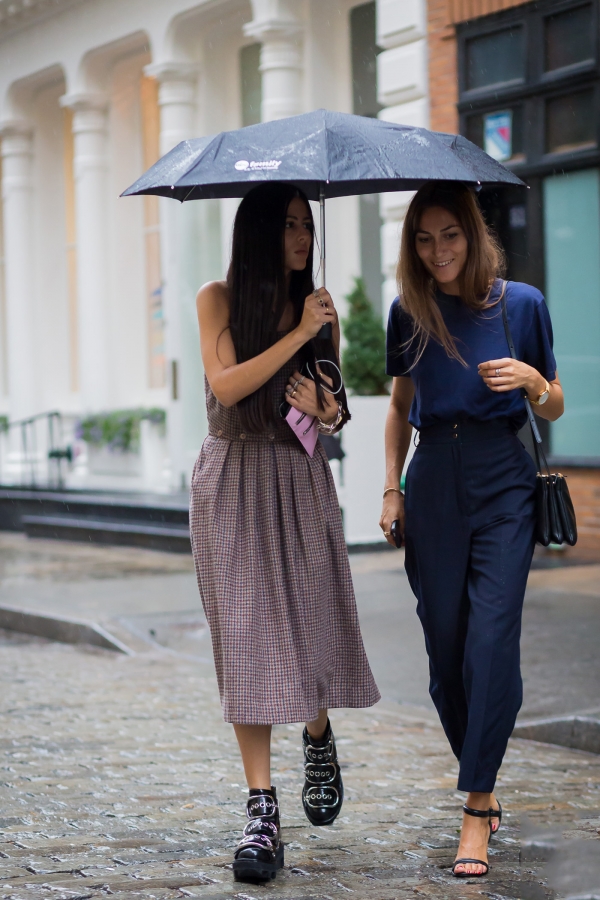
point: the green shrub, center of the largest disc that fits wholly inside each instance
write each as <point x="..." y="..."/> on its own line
<point x="118" y="430"/>
<point x="363" y="358"/>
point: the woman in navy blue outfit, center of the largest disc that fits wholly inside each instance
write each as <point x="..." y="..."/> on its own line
<point x="468" y="514"/>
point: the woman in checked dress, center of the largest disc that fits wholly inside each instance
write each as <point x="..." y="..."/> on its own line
<point x="266" y="529"/>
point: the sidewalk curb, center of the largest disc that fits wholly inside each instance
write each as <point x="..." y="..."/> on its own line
<point x="575" y="732"/>
<point x="60" y="628"/>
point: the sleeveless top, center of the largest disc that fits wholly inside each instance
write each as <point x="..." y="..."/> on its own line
<point x="224" y="422"/>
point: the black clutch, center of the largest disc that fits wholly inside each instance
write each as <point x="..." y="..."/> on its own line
<point x="556" y="523"/>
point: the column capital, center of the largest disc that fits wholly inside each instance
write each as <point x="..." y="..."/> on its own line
<point x="173" y="70"/>
<point x="16" y="128"/>
<point x="16" y="140"/>
<point x="84" y="101"/>
<point x="273" y="29"/>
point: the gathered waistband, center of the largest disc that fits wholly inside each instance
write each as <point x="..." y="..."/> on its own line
<point x="272" y="437"/>
<point x="466" y="430"/>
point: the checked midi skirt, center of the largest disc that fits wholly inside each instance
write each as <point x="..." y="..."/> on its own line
<point x="273" y="573"/>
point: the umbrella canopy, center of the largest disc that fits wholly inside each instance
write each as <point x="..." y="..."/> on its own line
<point x="327" y="154"/>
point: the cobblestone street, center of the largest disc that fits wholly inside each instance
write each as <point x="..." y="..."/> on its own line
<point x="119" y="776"/>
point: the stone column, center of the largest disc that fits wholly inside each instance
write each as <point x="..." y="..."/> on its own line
<point x="177" y="102"/>
<point x="277" y="28"/>
<point x="90" y="164"/>
<point x="402" y="82"/>
<point x="17" y="196"/>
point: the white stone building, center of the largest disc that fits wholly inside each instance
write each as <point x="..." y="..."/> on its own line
<point x="97" y="293"/>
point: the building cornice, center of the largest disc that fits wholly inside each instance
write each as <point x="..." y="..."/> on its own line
<point x="18" y="14"/>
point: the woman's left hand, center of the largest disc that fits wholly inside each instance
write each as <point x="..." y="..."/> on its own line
<point x="510" y="374"/>
<point x="301" y="393"/>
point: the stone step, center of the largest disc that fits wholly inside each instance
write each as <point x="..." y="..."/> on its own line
<point x="166" y="536"/>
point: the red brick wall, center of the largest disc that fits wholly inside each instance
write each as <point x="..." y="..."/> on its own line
<point x="584" y="487"/>
<point x="442" y="15"/>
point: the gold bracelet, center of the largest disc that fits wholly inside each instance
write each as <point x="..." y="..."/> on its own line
<point x="387" y="490"/>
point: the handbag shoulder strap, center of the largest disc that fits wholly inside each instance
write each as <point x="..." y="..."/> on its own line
<point x="537" y="438"/>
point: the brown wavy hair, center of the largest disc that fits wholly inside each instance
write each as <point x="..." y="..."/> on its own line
<point x="416" y="287"/>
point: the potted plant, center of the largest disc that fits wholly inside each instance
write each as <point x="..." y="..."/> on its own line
<point x="363" y="365"/>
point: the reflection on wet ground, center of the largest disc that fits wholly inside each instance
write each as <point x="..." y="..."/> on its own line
<point x="120" y="777"/>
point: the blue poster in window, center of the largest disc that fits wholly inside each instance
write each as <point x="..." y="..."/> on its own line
<point x="497" y="135"/>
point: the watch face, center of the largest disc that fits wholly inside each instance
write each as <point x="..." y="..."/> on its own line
<point x="544" y="397"/>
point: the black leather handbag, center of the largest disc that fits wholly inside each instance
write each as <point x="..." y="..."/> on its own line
<point x="556" y="522"/>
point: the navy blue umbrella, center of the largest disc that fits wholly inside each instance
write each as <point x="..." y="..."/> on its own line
<point x="326" y="154"/>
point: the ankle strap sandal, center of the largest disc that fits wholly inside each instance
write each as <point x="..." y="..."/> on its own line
<point x="259" y="854"/>
<point x="489" y="814"/>
<point x="323" y="791"/>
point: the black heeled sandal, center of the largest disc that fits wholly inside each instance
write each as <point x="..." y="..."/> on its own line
<point x="323" y="791"/>
<point x="488" y="814"/>
<point x="259" y="854"/>
<point x="496" y="814"/>
<point x="464" y="861"/>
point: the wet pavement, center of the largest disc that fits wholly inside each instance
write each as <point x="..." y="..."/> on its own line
<point x="119" y="776"/>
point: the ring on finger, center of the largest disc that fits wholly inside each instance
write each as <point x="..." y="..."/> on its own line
<point x="301" y="380"/>
<point x="295" y="384"/>
<point x="497" y="373"/>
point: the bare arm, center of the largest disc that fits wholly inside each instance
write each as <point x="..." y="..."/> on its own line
<point x="232" y="381"/>
<point x="398" y="432"/>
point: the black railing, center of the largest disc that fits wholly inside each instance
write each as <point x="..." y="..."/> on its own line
<point x="39" y="458"/>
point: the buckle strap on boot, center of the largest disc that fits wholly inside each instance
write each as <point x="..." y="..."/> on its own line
<point x="323" y="792"/>
<point x="259" y="854"/>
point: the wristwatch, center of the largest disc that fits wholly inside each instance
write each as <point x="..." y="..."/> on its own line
<point x="541" y="398"/>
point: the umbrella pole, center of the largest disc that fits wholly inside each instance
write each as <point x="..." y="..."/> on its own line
<point x="322" y="207"/>
<point x="326" y="332"/>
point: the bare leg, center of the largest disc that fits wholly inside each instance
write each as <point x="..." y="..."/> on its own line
<point x="475" y="832"/>
<point x="255" y="747"/>
<point x="317" y="728"/>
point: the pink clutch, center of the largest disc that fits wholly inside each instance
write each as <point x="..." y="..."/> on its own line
<point x="305" y="429"/>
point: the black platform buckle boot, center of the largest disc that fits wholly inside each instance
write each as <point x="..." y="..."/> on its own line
<point x="323" y="792"/>
<point x="260" y="852"/>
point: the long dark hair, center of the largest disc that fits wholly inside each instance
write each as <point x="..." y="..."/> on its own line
<point x="258" y="295"/>
<point x="485" y="262"/>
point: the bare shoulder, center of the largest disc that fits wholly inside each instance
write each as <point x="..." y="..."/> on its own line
<point x="213" y="292"/>
<point x="212" y="300"/>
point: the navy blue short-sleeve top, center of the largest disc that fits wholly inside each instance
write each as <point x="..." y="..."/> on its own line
<point x="444" y="388"/>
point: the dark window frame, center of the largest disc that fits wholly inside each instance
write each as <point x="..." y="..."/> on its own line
<point x="537" y="86"/>
<point x="525" y="247"/>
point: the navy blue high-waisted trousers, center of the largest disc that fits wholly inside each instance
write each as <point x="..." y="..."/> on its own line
<point x="470" y="498"/>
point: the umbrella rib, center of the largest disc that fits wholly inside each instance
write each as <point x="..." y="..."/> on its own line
<point x="198" y="159"/>
<point x="191" y="191"/>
